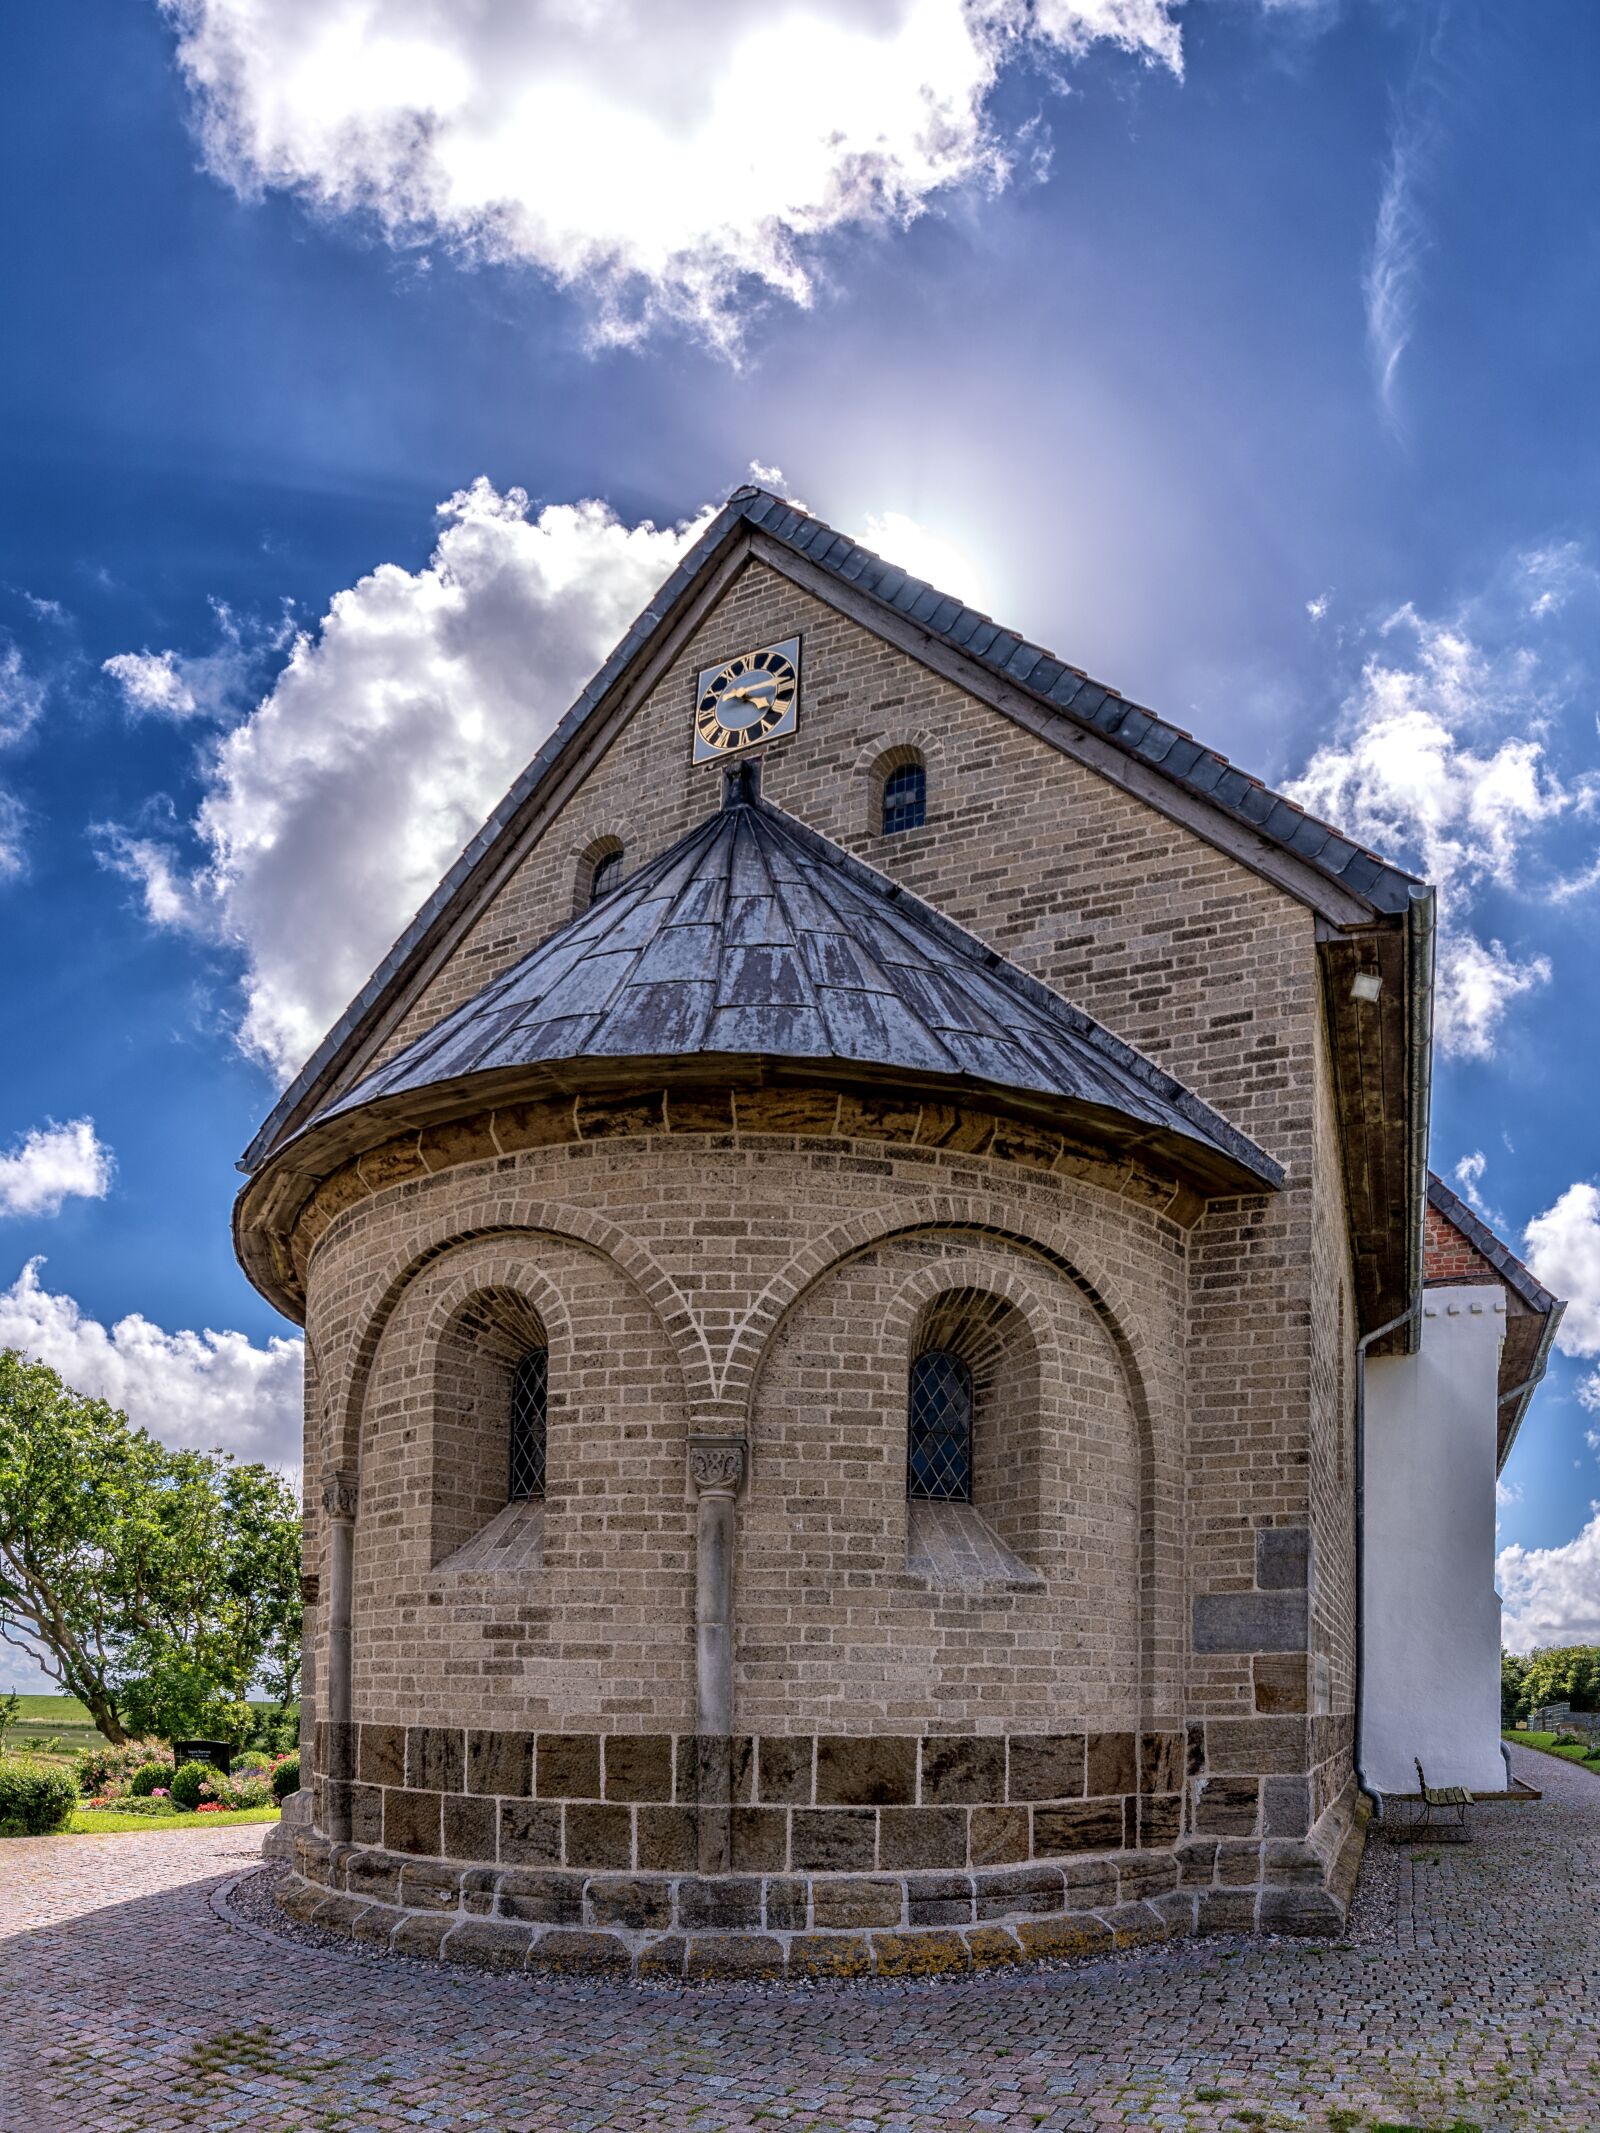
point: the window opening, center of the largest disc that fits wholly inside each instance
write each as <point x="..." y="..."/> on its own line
<point x="905" y="799"/>
<point x="607" y="876"/>
<point x="939" y="1449"/>
<point x="530" y="1383"/>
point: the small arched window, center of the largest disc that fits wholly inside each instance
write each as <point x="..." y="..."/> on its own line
<point x="607" y="875"/>
<point x="905" y="798"/>
<point x="530" y="1385"/>
<point x="939" y="1439"/>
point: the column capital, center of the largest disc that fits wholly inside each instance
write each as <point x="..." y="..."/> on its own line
<point x="716" y="1465"/>
<point x="339" y="1495"/>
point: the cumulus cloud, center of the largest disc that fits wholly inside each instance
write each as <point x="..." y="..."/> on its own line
<point x="197" y="1390"/>
<point x="1551" y="1595"/>
<point x="1562" y="1248"/>
<point x="333" y="808"/>
<point x="1442" y="757"/>
<point x="53" y="1164"/>
<point x="669" y="158"/>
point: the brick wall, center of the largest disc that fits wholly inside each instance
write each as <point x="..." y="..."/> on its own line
<point x="1194" y="1385"/>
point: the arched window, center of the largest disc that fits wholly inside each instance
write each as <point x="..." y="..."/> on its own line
<point x="939" y="1439"/>
<point x="607" y="875"/>
<point x="530" y="1384"/>
<point x="905" y="798"/>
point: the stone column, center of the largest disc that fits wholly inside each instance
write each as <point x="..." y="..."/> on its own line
<point x="716" y="1468"/>
<point x="339" y="1507"/>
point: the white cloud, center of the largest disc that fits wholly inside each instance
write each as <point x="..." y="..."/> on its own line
<point x="52" y="1164"/>
<point x="1317" y="609"/>
<point x="1562" y="1248"/>
<point x="1468" y="1175"/>
<point x="1442" y="759"/>
<point x="666" y="157"/>
<point x="12" y="819"/>
<point x="1551" y="1595"/>
<point x="21" y="694"/>
<point x="199" y="1390"/>
<point x="214" y="684"/>
<point x="1393" y="264"/>
<point x="150" y="681"/>
<point x="333" y="809"/>
<point x="1475" y="984"/>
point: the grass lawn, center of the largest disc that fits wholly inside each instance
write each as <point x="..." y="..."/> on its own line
<point x="106" y="1822"/>
<point x="1546" y="1744"/>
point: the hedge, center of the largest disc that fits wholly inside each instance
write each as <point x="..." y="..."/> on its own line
<point x="35" y="1798"/>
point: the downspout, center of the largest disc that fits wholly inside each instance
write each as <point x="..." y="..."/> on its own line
<point x="1362" y="1346"/>
<point x="1420" y="913"/>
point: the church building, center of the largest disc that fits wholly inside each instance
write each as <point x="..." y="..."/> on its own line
<point x="878" y="1333"/>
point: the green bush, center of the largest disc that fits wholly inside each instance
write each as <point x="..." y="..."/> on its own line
<point x="133" y="1806"/>
<point x="104" y="1770"/>
<point x="35" y="1798"/>
<point x="147" y="1777"/>
<point x="274" y="1731"/>
<point x="193" y="1782"/>
<point x="251" y="1792"/>
<point x="286" y="1778"/>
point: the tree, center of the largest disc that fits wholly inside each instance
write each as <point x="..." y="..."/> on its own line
<point x="156" y="1585"/>
<point x="1513" y="1689"/>
<point x="1564" y="1673"/>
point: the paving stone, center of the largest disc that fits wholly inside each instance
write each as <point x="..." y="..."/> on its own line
<point x="1462" y="1992"/>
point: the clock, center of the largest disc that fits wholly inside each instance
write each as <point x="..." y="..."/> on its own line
<point x="753" y="697"/>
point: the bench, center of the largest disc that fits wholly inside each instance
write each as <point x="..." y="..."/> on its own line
<point x="1444" y="1805"/>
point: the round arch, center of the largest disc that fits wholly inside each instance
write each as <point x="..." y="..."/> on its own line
<point x="1160" y="1496"/>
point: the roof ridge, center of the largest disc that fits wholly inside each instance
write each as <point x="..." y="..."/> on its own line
<point x="1129" y="726"/>
<point x="1039" y="995"/>
<point x="1483" y="1239"/>
<point x="1065" y="692"/>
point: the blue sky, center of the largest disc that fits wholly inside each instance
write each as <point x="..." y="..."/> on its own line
<point x="1243" y="352"/>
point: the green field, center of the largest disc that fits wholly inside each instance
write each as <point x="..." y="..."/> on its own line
<point x="46" y="1718"/>
<point x="64" y="1719"/>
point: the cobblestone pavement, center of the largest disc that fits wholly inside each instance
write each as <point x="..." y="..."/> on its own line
<point x="1465" y="1998"/>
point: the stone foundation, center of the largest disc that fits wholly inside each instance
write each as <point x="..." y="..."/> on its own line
<point x="816" y="1856"/>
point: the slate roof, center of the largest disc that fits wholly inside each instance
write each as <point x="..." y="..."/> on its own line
<point x="756" y="937"/>
<point x="1483" y="1239"/>
<point x="1065" y="690"/>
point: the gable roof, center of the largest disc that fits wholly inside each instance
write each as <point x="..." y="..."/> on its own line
<point x="755" y="938"/>
<point x="1067" y="707"/>
<point x="1533" y="1314"/>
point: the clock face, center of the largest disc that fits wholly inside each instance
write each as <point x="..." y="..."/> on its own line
<point x="751" y="698"/>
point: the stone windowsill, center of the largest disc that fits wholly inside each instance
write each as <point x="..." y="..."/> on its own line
<point x="510" y="1545"/>
<point x="952" y="1547"/>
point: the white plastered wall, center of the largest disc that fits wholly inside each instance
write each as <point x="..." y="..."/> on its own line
<point x="1431" y="1612"/>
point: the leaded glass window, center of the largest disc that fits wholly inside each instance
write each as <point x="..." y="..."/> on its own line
<point x="905" y="798"/>
<point x="939" y="1450"/>
<point x="606" y="876"/>
<point x="530" y="1383"/>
